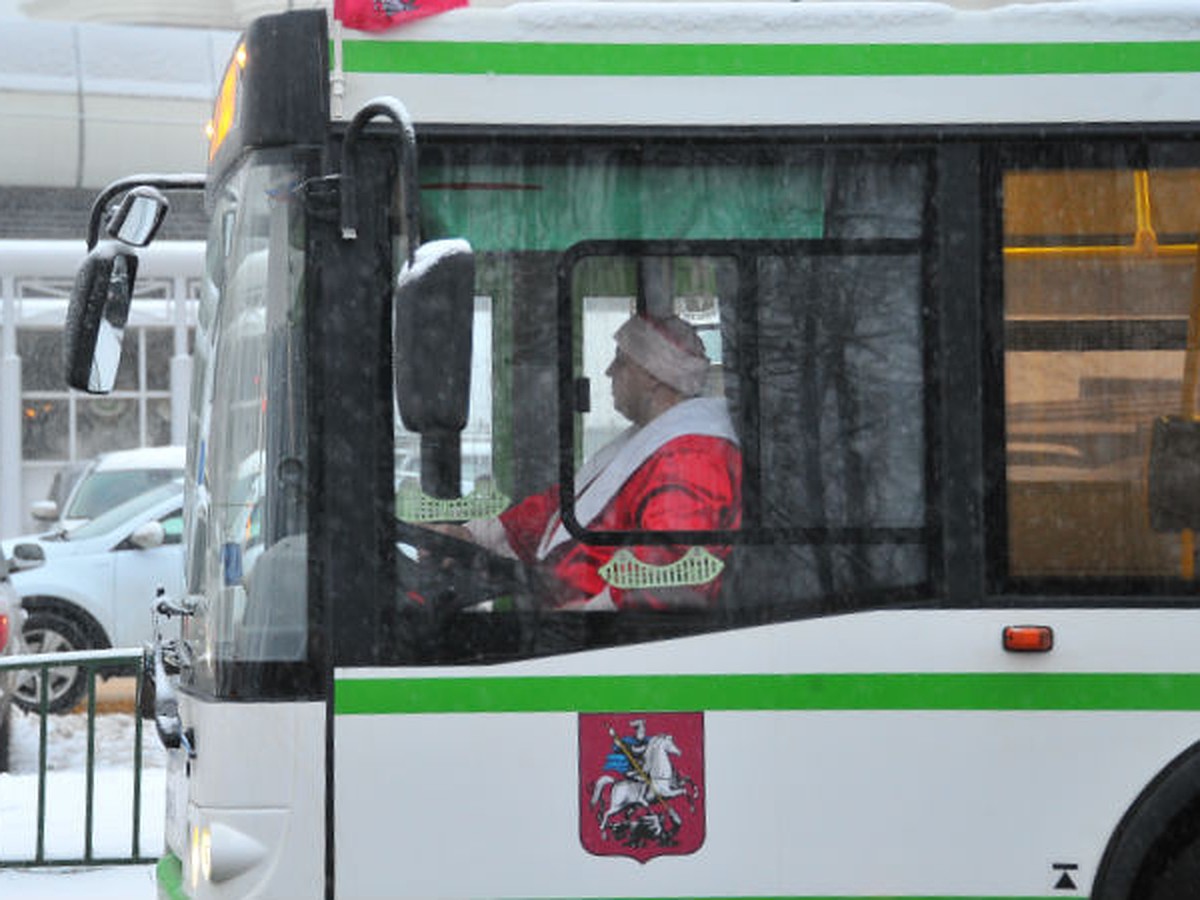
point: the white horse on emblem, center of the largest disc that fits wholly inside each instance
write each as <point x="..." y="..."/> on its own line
<point x="660" y="782"/>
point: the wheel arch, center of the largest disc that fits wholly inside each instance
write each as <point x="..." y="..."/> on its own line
<point x="84" y="619"/>
<point x="1162" y="821"/>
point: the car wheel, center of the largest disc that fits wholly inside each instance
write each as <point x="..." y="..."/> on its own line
<point x="47" y="631"/>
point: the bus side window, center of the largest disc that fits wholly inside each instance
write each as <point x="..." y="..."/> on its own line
<point x="1099" y="272"/>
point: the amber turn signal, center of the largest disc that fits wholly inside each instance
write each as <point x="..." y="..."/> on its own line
<point x="1028" y="638"/>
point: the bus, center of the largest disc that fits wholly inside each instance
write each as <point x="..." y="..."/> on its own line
<point x="943" y="264"/>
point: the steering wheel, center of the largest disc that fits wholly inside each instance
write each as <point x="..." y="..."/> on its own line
<point x="460" y="573"/>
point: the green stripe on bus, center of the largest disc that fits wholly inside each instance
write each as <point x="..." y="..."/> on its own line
<point x="494" y="58"/>
<point x="668" y="693"/>
<point x="169" y="874"/>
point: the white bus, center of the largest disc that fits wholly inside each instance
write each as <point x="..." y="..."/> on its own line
<point x="944" y="264"/>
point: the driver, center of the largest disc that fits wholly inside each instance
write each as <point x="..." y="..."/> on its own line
<point x="677" y="467"/>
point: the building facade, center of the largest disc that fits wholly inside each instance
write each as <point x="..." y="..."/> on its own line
<point x="94" y="103"/>
<point x="44" y="426"/>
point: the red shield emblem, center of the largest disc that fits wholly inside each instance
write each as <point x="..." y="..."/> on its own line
<point x="641" y="784"/>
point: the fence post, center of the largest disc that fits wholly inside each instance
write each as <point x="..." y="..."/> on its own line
<point x="43" y="707"/>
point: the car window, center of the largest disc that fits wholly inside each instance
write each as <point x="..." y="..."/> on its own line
<point x="101" y="491"/>
<point x="64" y="482"/>
<point x="116" y="517"/>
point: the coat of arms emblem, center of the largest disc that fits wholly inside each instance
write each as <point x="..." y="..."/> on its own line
<point x="641" y="784"/>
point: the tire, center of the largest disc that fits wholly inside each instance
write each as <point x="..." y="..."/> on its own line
<point x="1179" y="876"/>
<point x="1155" y="852"/>
<point x="50" y="631"/>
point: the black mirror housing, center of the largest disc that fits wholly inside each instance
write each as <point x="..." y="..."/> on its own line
<point x="433" y="316"/>
<point x="96" y="317"/>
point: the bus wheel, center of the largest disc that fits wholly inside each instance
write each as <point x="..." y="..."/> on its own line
<point x="48" y="631"/>
<point x="1178" y="878"/>
<point x="1155" y="852"/>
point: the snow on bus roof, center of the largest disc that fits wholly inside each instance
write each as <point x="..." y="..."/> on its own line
<point x="834" y="20"/>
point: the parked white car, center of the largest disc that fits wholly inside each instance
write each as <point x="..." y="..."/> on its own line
<point x="12" y="617"/>
<point x="98" y="584"/>
<point x="108" y="481"/>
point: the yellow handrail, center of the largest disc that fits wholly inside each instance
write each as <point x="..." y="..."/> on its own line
<point x="1145" y="243"/>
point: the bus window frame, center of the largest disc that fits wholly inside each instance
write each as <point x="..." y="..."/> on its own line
<point x="1067" y="150"/>
<point x="628" y="627"/>
<point x="744" y="252"/>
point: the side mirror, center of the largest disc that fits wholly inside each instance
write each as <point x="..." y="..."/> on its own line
<point x="44" y="510"/>
<point x="434" y="306"/>
<point x="27" y="556"/>
<point x="96" y="317"/>
<point x="137" y="220"/>
<point x="148" y="535"/>
<point x="1173" y="477"/>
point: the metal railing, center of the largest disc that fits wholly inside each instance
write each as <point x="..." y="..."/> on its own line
<point x="93" y="662"/>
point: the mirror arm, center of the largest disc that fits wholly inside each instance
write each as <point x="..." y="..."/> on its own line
<point x="167" y="720"/>
<point x="185" y="182"/>
<point x="406" y="167"/>
<point x="171" y="608"/>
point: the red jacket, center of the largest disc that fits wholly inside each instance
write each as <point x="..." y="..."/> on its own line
<point x="691" y="483"/>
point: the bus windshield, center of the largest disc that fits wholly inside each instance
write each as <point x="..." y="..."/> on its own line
<point x="248" y="427"/>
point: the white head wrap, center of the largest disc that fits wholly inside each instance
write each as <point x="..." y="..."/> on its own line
<point x="667" y="348"/>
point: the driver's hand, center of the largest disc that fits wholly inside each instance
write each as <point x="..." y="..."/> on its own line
<point x="450" y="529"/>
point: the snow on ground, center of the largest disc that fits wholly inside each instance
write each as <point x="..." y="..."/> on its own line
<point x="114" y="883"/>
<point x="65" y="808"/>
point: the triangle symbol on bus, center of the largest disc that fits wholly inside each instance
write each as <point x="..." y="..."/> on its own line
<point x="1065" y="883"/>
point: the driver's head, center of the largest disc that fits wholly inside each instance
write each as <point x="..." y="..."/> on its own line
<point x="659" y="362"/>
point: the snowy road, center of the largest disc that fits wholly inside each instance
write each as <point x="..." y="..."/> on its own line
<point x="65" y="793"/>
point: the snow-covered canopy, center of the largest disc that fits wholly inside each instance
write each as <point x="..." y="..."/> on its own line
<point x="226" y="14"/>
<point x="84" y="104"/>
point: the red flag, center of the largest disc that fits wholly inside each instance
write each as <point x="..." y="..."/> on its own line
<point x="379" y="15"/>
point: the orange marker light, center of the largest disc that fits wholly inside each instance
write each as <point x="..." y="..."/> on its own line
<point x="225" y="109"/>
<point x="1028" y="638"/>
